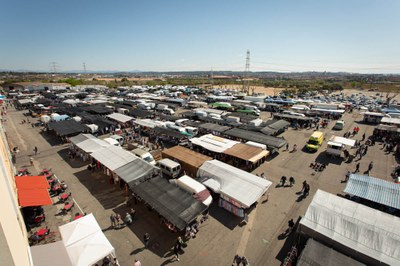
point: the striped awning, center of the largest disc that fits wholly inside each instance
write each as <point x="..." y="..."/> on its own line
<point x="374" y="189"/>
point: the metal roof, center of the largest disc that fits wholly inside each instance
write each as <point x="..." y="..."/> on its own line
<point x="374" y="189"/>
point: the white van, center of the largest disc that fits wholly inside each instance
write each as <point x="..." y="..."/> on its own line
<point x="192" y="131"/>
<point x="169" y="168"/>
<point x="118" y="138"/>
<point x="197" y="189"/>
<point x="145" y="155"/>
<point x="112" y="142"/>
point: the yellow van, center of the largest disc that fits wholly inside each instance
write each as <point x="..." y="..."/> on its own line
<point x="315" y="141"/>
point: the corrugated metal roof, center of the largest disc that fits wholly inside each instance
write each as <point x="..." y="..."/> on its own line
<point x="374" y="189"/>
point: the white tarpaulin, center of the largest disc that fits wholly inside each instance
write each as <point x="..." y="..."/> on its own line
<point x="120" y="117"/>
<point x="355" y="226"/>
<point x="81" y="137"/>
<point x="146" y="123"/>
<point x="214" y="143"/>
<point x="237" y="184"/>
<point x="92" y="145"/>
<point x="84" y="241"/>
<point x="344" y="141"/>
<point x="113" y="157"/>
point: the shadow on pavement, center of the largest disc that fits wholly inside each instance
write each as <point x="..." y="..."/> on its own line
<point x="74" y="163"/>
<point x="146" y="220"/>
<point x="52" y="139"/>
<point x="226" y="218"/>
<point x="289" y="242"/>
<point x="99" y="186"/>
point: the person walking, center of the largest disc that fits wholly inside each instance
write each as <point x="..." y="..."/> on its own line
<point x="363" y="137"/>
<point x="290" y="225"/>
<point x="357" y="168"/>
<point x="283" y="181"/>
<point x="118" y="220"/>
<point x="35" y="150"/>
<point x="306" y="190"/>
<point x="294" y="147"/>
<point x="287" y="146"/>
<point x="31" y="161"/>
<point x="237" y="259"/>
<point x="146" y="239"/>
<point x="176" y="252"/>
<point x="370" y="166"/>
<point x="137" y="263"/>
<point x="365" y="150"/>
<point x="291" y="181"/>
<point x="112" y="219"/>
<point x="304" y="186"/>
<point x="245" y="262"/>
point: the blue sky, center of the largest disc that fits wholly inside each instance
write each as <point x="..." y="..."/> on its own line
<point x="175" y="35"/>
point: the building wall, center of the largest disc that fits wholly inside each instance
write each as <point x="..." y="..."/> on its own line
<point x="11" y="218"/>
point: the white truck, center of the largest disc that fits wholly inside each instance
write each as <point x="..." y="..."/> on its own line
<point x="336" y="145"/>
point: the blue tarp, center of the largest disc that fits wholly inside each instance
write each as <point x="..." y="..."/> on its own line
<point x="374" y="189"/>
<point x="60" y="118"/>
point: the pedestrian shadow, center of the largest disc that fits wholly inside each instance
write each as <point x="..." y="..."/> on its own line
<point x="107" y="229"/>
<point x="290" y="240"/>
<point x="137" y="251"/>
<point x="168" y="261"/>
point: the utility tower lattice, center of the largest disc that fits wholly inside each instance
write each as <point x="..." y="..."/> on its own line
<point x="53" y="67"/>
<point x="246" y="83"/>
<point x="84" y="68"/>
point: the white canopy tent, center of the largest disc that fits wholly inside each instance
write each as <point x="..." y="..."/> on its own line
<point x="237" y="184"/>
<point x="84" y="241"/>
<point x="214" y="143"/>
<point x="362" y="231"/>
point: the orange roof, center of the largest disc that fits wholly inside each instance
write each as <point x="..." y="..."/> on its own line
<point x="32" y="191"/>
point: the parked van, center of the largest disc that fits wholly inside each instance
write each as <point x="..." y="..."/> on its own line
<point x="193" y="131"/>
<point x="145" y="155"/>
<point x="315" y="141"/>
<point x="112" y="142"/>
<point x="170" y="168"/>
<point x="339" y="125"/>
<point x="118" y="138"/>
<point x="197" y="189"/>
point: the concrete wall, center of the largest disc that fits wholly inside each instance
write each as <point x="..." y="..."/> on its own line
<point x="11" y="220"/>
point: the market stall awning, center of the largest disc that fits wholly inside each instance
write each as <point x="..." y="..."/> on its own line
<point x="311" y="255"/>
<point x="113" y="157"/>
<point x="256" y="137"/>
<point x="239" y="185"/>
<point x="186" y="155"/>
<point x="170" y="201"/>
<point x="136" y="171"/>
<point x="353" y="226"/>
<point x="214" y="127"/>
<point x="67" y="127"/>
<point x="92" y="145"/>
<point x="32" y="191"/>
<point x="121" y="118"/>
<point x="214" y="143"/>
<point x="374" y="189"/>
<point x="246" y="152"/>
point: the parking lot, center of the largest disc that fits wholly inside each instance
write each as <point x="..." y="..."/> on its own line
<point x="220" y="237"/>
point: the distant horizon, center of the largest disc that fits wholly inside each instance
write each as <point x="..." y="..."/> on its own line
<point x="90" y="72"/>
<point x="284" y="36"/>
